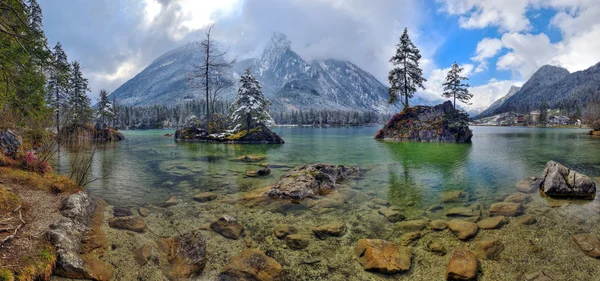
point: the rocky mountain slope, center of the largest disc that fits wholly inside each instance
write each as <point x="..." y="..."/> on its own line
<point x="289" y="81"/>
<point x="499" y="102"/>
<point x="556" y="86"/>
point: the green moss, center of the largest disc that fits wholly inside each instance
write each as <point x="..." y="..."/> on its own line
<point x="6" y="275"/>
<point x="8" y="201"/>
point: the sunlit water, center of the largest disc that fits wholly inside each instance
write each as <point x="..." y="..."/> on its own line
<point x="149" y="167"/>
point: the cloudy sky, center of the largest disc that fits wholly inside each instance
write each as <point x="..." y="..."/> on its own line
<point x="499" y="43"/>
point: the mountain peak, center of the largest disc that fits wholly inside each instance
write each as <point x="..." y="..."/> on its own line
<point x="278" y="44"/>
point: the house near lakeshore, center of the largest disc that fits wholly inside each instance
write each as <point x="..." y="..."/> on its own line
<point x="558" y="120"/>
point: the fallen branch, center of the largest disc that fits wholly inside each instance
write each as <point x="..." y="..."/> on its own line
<point x="10" y="237"/>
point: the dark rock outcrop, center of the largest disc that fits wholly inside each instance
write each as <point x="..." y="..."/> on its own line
<point x="440" y="123"/>
<point x="9" y="142"/>
<point x="311" y="180"/>
<point x="257" y="135"/>
<point x="560" y="181"/>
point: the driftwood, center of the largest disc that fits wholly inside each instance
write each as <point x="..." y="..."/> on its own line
<point x="15" y="230"/>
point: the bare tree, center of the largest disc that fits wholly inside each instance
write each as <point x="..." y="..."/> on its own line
<point x="592" y="113"/>
<point x="210" y="76"/>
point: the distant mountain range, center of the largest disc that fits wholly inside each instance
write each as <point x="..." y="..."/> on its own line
<point x="556" y="86"/>
<point x="290" y="82"/>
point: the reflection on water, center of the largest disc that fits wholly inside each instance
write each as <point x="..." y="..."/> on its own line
<point x="148" y="167"/>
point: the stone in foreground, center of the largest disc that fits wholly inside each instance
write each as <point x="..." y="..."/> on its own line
<point x="251" y="264"/>
<point x="205" y="197"/>
<point x="588" y="243"/>
<point x="382" y="256"/>
<point x="440" y="123"/>
<point x="506" y="209"/>
<point x="492" y="223"/>
<point x="310" y="181"/>
<point x="462" y="266"/>
<point x="228" y="227"/>
<point x="391" y="214"/>
<point x="283" y="230"/>
<point x="463" y="230"/>
<point x="297" y="241"/>
<point x="132" y="223"/>
<point x="186" y="255"/>
<point x="488" y="249"/>
<point x="562" y="182"/>
<point x="332" y="229"/>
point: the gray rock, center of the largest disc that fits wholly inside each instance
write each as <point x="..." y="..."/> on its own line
<point x="588" y="243"/>
<point x="537" y="276"/>
<point x="560" y="181"/>
<point x="228" y="227"/>
<point x="9" y="142"/>
<point x="311" y="180"/>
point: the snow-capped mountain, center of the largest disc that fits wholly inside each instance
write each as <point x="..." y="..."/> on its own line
<point x="499" y="102"/>
<point x="289" y="81"/>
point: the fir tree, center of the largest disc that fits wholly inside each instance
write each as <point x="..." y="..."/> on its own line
<point x="250" y="107"/>
<point x="454" y="87"/>
<point x="105" y="107"/>
<point x="543" y="113"/>
<point x="406" y="75"/>
<point x="58" y="83"/>
<point x="80" y="110"/>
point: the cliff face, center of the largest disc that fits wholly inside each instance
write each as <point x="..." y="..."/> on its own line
<point x="440" y="123"/>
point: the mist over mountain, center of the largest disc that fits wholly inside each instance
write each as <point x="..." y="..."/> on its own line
<point x="290" y="82"/>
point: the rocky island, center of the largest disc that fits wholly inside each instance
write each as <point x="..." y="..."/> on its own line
<point x="440" y="123"/>
<point x="246" y="123"/>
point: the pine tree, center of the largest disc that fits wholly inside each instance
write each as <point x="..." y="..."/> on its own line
<point x="250" y="107"/>
<point x="58" y="83"/>
<point x="80" y="109"/>
<point x="406" y="75"/>
<point x="105" y="107"/>
<point x="543" y="113"/>
<point x="454" y="87"/>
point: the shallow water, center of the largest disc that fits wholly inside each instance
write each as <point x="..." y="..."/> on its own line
<point x="148" y="168"/>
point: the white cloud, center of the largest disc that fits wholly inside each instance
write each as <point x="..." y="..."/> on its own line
<point x="486" y="48"/>
<point x="528" y="53"/>
<point x="433" y="87"/>
<point x="508" y="15"/>
<point x="485" y="95"/>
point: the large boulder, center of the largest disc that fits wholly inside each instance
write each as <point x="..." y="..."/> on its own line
<point x="440" y="123"/>
<point x="252" y="264"/>
<point x="186" y="255"/>
<point x="382" y="256"/>
<point x="9" y="142"/>
<point x="311" y="180"/>
<point x="560" y="181"/>
<point x="462" y="266"/>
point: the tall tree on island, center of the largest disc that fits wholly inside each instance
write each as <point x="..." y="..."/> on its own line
<point x="543" y="113"/>
<point x="210" y="75"/>
<point x="250" y="107"/>
<point x="58" y="84"/>
<point x="105" y="107"/>
<point x="454" y="86"/>
<point x="80" y="109"/>
<point x="406" y="75"/>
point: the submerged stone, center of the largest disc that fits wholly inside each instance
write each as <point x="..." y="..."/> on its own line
<point x="588" y="243"/>
<point x="492" y="223"/>
<point x="454" y="196"/>
<point x="171" y="202"/>
<point x="251" y="264"/>
<point x="228" y="227"/>
<point x="186" y="255"/>
<point x="122" y="212"/>
<point x="144" y="212"/>
<point x="560" y="181"/>
<point x="205" y="197"/>
<point x="464" y="230"/>
<point x="333" y="229"/>
<point x="528" y="220"/>
<point x="391" y="214"/>
<point x="462" y="266"/>
<point x="505" y="209"/>
<point x="297" y="241"/>
<point x="438" y="225"/>
<point x="528" y="185"/>
<point x="381" y="202"/>
<point x="488" y="248"/>
<point x="518" y="197"/>
<point x="463" y="212"/>
<point x="311" y="180"/>
<point x="436" y="248"/>
<point x="283" y="230"/>
<point x="537" y="276"/>
<point x="411" y="225"/>
<point x="133" y="223"/>
<point x="409" y="238"/>
<point x="382" y="256"/>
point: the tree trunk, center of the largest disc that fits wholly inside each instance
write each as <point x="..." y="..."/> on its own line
<point x="57" y="120"/>
<point x="248" y="119"/>
<point x="454" y="101"/>
<point x="207" y="60"/>
<point x="405" y="85"/>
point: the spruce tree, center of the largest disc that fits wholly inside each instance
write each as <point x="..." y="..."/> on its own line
<point x="105" y="107"/>
<point x="543" y="113"/>
<point x="80" y="109"/>
<point x="250" y="107"/>
<point x="406" y="75"/>
<point x="454" y="87"/>
<point x="58" y="83"/>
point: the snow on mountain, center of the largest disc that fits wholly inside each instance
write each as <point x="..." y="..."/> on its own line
<point x="499" y="102"/>
<point x="289" y="81"/>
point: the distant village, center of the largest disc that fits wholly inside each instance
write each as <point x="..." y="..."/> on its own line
<point x="533" y="118"/>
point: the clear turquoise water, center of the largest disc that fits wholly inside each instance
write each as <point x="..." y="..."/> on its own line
<point x="148" y="167"/>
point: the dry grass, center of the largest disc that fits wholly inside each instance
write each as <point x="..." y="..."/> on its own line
<point x="48" y="182"/>
<point x="8" y="201"/>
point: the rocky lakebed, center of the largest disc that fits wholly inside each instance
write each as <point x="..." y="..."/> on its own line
<point x="318" y="223"/>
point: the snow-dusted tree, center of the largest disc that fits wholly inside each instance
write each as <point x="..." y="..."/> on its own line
<point x="80" y="109"/>
<point x="454" y="86"/>
<point x="105" y="107"/>
<point x="406" y="75"/>
<point x="210" y="74"/>
<point x="58" y="84"/>
<point x="250" y="107"/>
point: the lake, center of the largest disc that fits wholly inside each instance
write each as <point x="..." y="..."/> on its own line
<point x="148" y="168"/>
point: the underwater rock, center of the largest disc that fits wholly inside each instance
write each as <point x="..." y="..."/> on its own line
<point x="311" y="180"/>
<point x="436" y="248"/>
<point x="461" y="266"/>
<point x="142" y="254"/>
<point x="336" y="229"/>
<point x="506" y="209"/>
<point x="488" y="249"/>
<point x="537" y="276"/>
<point x="133" y="223"/>
<point x="529" y="185"/>
<point x="440" y="123"/>
<point x="454" y="196"/>
<point x="438" y="225"/>
<point x="382" y="256"/>
<point x="205" y="197"/>
<point x="297" y="241"/>
<point x="464" y="230"/>
<point x="263" y="171"/>
<point x="412" y="225"/>
<point x="122" y="212"/>
<point x="560" y="181"/>
<point x="391" y="214"/>
<point x="171" y="202"/>
<point x="410" y="237"/>
<point x="588" y="243"/>
<point x="144" y="212"/>
<point x="518" y="197"/>
<point x="528" y="220"/>
<point x="228" y="227"/>
<point x="381" y="202"/>
<point x="186" y="255"/>
<point x="463" y="212"/>
<point x="251" y="264"/>
<point x="283" y="230"/>
<point x="251" y="158"/>
<point x="492" y="222"/>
